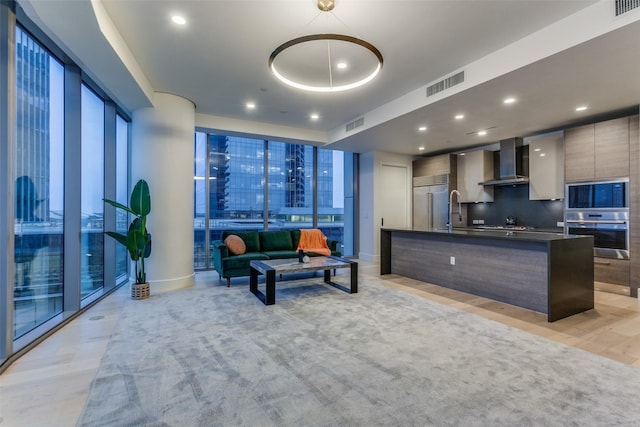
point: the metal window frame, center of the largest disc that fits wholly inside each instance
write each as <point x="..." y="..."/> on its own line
<point x="109" y="216"/>
<point x="314" y="188"/>
<point x="72" y="202"/>
<point x="207" y="204"/>
<point x="265" y="175"/>
<point x="7" y="127"/>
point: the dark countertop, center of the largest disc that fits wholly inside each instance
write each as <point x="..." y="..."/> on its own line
<point x="557" y="230"/>
<point x="509" y="234"/>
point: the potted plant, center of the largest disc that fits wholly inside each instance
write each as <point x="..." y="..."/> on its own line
<point x="137" y="240"/>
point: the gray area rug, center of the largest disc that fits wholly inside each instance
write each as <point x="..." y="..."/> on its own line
<point x="321" y="357"/>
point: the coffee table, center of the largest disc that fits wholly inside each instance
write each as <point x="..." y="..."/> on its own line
<point x="279" y="266"/>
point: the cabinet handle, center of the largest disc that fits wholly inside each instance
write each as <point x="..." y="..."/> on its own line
<point x="602" y="262"/>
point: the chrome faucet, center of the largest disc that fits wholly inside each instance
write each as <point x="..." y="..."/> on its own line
<point x="451" y="209"/>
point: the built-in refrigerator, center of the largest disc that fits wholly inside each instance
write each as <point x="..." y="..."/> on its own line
<point x="430" y="203"/>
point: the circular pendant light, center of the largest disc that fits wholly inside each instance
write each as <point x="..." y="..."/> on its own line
<point x="326" y="62"/>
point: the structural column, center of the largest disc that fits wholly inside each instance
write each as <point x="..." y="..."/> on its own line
<point x="162" y="154"/>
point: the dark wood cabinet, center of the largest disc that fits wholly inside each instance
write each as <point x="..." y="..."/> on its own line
<point x="579" y="153"/>
<point x="597" y="151"/>
<point x="612" y="148"/>
<point x="544" y="272"/>
<point x="616" y="271"/>
<point x="436" y="165"/>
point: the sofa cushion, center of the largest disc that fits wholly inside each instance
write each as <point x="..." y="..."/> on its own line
<point x="281" y="254"/>
<point x="242" y="261"/>
<point x="295" y="238"/>
<point x="250" y="238"/>
<point x="275" y="241"/>
<point x="235" y="244"/>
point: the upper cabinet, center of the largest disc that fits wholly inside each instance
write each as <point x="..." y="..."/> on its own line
<point x="579" y="153"/>
<point x="475" y="167"/>
<point x="612" y="148"/>
<point x="546" y="166"/>
<point x="436" y="165"/>
<point x="597" y="151"/>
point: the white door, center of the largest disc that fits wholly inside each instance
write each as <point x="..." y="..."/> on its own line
<point x="393" y="196"/>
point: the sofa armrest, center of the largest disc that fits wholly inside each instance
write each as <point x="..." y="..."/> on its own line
<point x="220" y="251"/>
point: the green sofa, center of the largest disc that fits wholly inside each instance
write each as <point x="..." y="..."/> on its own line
<point x="261" y="245"/>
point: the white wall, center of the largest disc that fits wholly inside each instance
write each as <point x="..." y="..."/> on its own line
<point x="370" y="199"/>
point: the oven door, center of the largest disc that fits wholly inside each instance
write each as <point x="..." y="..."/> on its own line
<point x="610" y="239"/>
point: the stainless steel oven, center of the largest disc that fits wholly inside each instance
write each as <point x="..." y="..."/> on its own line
<point x="610" y="230"/>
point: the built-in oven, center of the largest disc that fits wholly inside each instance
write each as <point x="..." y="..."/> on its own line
<point x="597" y="195"/>
<point x="600" y="209"/>
<point x="610" y="230"/>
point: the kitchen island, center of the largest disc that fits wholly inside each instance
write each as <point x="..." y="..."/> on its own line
<point x="545" y="272"/>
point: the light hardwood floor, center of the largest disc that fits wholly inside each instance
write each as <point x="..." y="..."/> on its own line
<point x="48" y="386"/>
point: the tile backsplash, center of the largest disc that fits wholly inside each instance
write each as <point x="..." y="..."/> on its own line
<point x="514" y="201"/>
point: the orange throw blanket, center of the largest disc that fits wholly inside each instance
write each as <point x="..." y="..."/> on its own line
<point x="313" y="241"/>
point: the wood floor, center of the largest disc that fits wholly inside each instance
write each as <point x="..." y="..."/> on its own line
<point x="48" y="386"/>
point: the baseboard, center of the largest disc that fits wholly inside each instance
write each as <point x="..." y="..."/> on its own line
<point x="369" y="257"/>
<point x="173" y="284"/>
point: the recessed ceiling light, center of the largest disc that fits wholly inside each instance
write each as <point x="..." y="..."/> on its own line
<point x="509" y="100"/>
<point x="420" y="148"/>
<point x="542" y="154"/>
<point x="462" y="154"/>
<point x="459" y="116"/>
<point x="482" y="132"/>
<point x="314" y="116"/>
<point x="341" y="65"/>
<point x="251" y="105"/>
<point x="177" y="19"/>
<point x="422" y="128"/>
<point x="581" y="108"/>
<point x="537" y="149"/>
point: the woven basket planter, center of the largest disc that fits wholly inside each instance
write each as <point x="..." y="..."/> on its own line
<point x="139" y="290"/>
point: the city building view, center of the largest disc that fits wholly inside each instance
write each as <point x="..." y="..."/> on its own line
<point x="39" y="169"/>
<point x="231" y="184"/>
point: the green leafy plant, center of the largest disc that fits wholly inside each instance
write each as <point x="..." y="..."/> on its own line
<point x="137" y="240"/>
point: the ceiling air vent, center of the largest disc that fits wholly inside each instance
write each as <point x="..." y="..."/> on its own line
<point x="445" y="83"/>
<point x="624" y="6"/>
<point x="355" y="124"/>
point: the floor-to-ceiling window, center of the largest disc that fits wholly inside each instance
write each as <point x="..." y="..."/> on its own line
<point x="54" y="129"/>
<point x="235" y="185"/>
<point x="236" y="191"/>
<point x="229" y="189"/>
<point x="38" y="177"/>
<point x="331" y="195"/>
<point x="290" y="185"/>
<point x="92" y="192"/>
<point x="200" y="219"/>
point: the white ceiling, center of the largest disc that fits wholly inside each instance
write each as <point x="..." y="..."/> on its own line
<point x="551" y="55"/>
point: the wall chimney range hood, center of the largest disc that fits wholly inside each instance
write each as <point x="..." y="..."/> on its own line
<point x="510" y="164"/>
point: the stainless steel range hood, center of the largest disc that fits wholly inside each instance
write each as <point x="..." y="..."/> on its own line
<point x="510" y="164"/>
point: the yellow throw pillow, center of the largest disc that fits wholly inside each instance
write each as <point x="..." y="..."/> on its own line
<point x="235" y="244"/>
